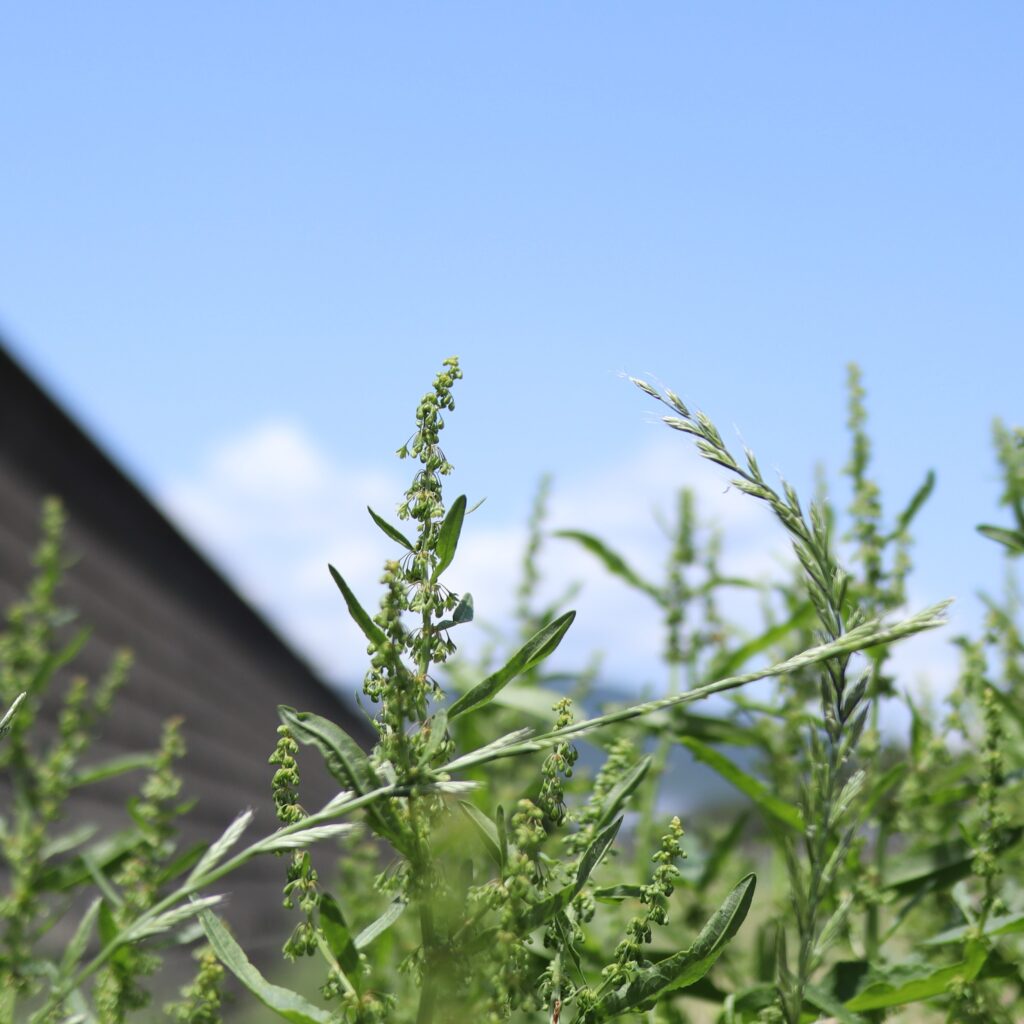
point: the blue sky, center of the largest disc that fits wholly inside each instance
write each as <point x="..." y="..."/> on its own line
<point x="236" y="240"/>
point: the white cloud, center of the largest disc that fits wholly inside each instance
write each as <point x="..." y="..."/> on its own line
<point x="272" y="509"/>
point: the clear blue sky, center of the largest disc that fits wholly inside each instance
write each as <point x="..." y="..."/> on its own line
<point x="222" y="221"/>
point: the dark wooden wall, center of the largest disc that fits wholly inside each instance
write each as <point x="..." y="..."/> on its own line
<point x="200" y="651"/>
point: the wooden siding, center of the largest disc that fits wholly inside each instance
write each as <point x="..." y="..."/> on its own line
<point x="200" y="651"/>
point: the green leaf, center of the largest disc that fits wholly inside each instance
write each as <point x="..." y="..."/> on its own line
<point x="622" y="790"/>
<point x="921" y="495"/>
<point x="1005" y="924"/>
<point x="370" y="629"/>
<point x="390" y="531"/>
<point x="534" y="651"/>
<point x="68" y="841"/>
<point x="463" y="610"/>
<point x="689" y="965"/>
<point x="618" y="893"/>
<point x="345" y="760"/>
<point x="719" y="855"/>
<point x="729" y="662"/>
<point x="939" y="868"/>
<point x="833" y="1007"/>
<point x="80" y="940"/>
<point x="285" y="1003"/>
<point x="753" y="788"/>
<point x="613" y="562"/>
<point x="113" y="767"/>
<point x="893" y="777"/>
<point x="104" y="854"/>
<point x="594" y="853"/>
<point x="448" y="536"/>
<point x="499" y="818"/>
<point x="339" y="938"/>
<point x="936" y="983"/>
<point x="486" y="829"/>
<point x="381" y="925"/>
<point x="1013" y="539"/>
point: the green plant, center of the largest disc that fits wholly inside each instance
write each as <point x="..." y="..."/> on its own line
<point x="504" y="901"/>
<point x="489" y="875"/>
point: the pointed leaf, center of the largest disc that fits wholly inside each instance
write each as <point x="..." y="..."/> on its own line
<point x="111" y="768"/>
<point x="285" y="1003"/>
<point x="928" y="985"/>
<point x="80" y="940"/>
<point x="688" y="966"/>
<point x="338" y="936"/>
<point x="389" y="530"/>
<point x="921" y="495"/>
<point x="594" y="853"/>
<point x="370" y="629"/>
<point x="1005" y="924"/>
<point x="613" y="562"/>
<point x="344" y="758"/>
<point x="535" y="650"/>
<point x="623" y="789"/>
<point x="463" y="610"/>
<point x="448" y="536"/>
<point x="754" y="788"/>
<point x="381" y="925"/>
<point x="1013" y="539"/>
<point x="486" y="829"/>
<point x="727" y="663"/>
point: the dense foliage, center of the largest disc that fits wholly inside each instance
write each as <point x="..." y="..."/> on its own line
<point x="490" y="873"/>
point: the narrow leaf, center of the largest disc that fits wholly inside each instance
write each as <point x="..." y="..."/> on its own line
<point x="1005" y="924"/>
<point x="535" y="650"/>
<point x="345" y="760"/>
<point x="114" y="767"/>
<point x="448" y="536"/>
<point x="927" y="986"/>
<point x="389" y="530"/>
<point x="463" y="611"/>
<point x="285" y="1003"/>
<point x="370" y="629"/>
<point x="1013" y="539"/>
<point x="485" y="828"/>
<point x="68" y="841"/>
<point x="622" y="790"/>
<point x="80" y="940"/>
<point x="730" y="661"/>
<point x="381" y="925"/>
<point x="688" y="966"/>
<point x="594" y="853"/>
<point x="613" y="562"/>
<point x="753" y="788"/>
<point x="338" y="936"/>
<point x="921" y="495"/>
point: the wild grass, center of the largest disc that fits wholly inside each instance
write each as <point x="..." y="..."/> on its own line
<point x="487" y="875"/>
